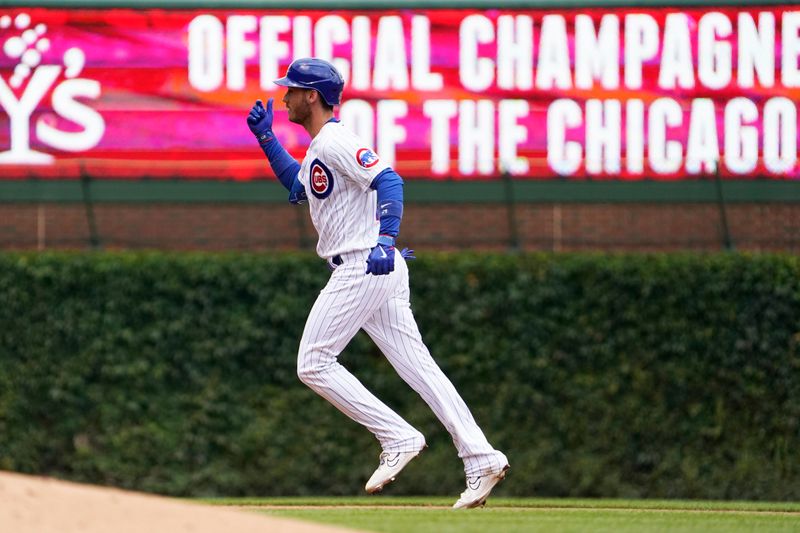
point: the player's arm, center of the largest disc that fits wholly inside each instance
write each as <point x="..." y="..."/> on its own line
<point x="283" y="165"/>
<point x="389" y="186"/>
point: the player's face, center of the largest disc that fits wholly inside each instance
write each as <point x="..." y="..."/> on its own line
<point x="296" y="100"/>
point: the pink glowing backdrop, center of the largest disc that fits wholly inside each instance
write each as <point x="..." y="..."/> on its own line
<point x="155" y="122"/>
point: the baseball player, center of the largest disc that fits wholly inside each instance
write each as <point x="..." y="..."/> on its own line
<point x="356" y="203"/>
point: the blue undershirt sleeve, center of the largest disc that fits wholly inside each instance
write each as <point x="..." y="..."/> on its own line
<point x="389" y="185"/>
<point x="283" y="165"/>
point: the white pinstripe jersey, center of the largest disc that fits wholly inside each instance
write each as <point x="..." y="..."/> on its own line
<point x="336" y="173"/>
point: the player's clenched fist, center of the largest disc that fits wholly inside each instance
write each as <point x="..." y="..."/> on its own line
<point x="377" y="262"/>
<point x="260" y="121"/>
<point x="381" y="260"/>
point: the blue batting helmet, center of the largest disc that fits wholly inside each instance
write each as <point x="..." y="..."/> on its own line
<point x="317" y="74"/>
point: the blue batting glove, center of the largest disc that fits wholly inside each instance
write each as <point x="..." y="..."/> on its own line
<point x="260" y="121"/>
<point x="407" y="254"/>
<point x="381" y="260"/>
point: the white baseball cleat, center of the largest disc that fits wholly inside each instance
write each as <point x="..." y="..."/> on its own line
<point x="478" y="489"/>
<point x="391" y="463"/>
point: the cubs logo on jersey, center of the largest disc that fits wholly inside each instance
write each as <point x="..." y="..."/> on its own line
<point x="320" y="179"/>
<point x="366" y="157"/>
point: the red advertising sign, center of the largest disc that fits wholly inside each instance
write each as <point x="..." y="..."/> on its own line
<point x="631" y="94"/>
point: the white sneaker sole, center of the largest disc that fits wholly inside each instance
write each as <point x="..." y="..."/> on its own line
<point x="480" y="500"/>
<point x="374" y="489"/>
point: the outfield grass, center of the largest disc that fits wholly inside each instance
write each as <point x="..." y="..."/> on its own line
<point x="432" y="515"/>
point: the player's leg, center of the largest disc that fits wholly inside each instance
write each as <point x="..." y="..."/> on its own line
<point x="395" y="331"/>
<point x="342" y="306"/>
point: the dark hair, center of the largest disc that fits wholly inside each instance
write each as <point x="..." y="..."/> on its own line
<point x="325" y="105"/>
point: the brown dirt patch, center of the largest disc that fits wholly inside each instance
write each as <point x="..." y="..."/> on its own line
<point x="31" y="504"/>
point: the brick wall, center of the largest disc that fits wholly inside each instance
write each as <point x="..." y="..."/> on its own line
<point x="559" y="227"/>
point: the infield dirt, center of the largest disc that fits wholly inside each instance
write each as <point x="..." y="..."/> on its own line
<point x="31" y="504"/>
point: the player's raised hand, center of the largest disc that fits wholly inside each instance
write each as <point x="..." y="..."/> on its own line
<point x="260" y="121"/>
<point x="381" y="260"/>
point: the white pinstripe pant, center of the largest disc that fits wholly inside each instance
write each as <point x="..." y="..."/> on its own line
<point x="380" y="305"/>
